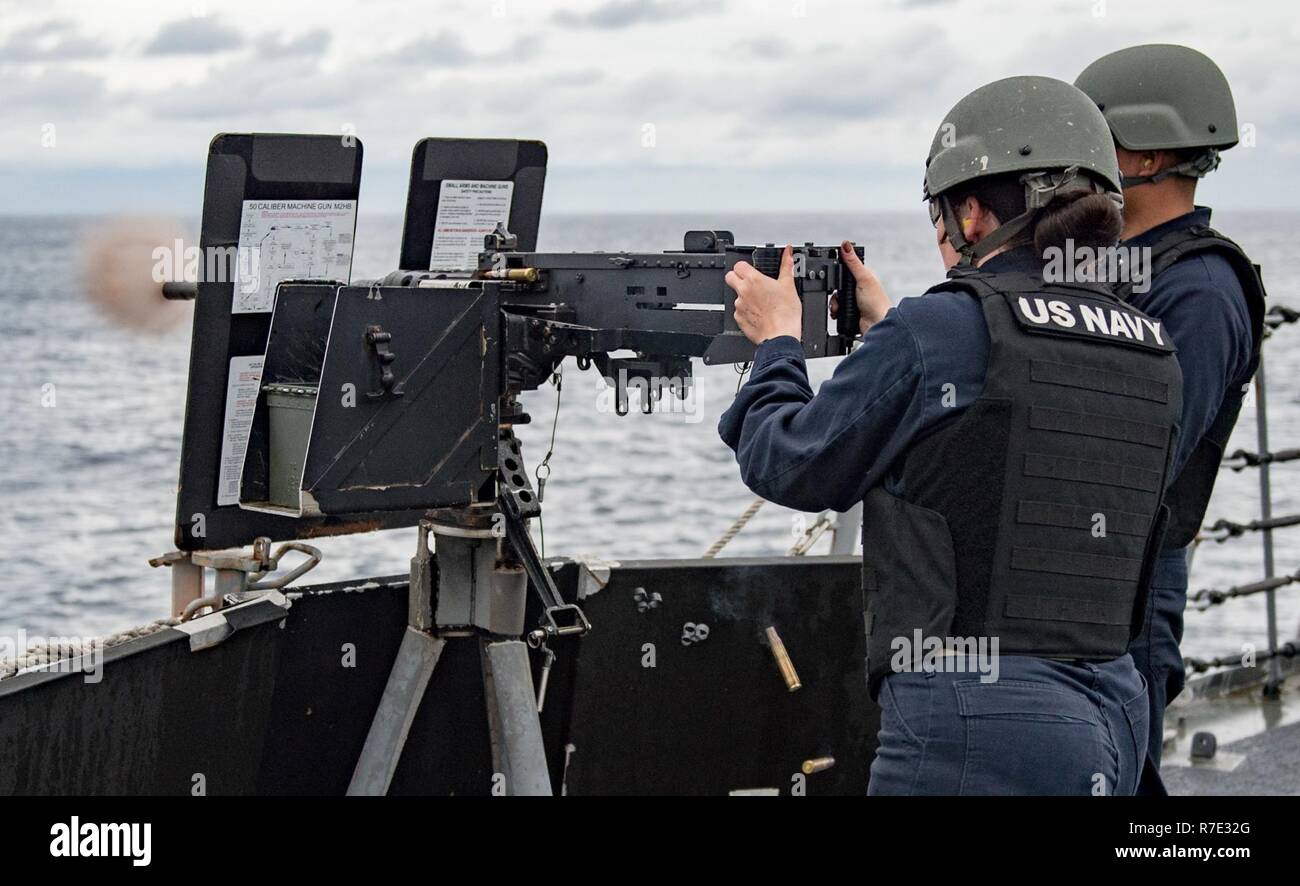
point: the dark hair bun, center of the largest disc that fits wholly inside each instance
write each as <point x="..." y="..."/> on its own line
<point x="1086" y="217"/>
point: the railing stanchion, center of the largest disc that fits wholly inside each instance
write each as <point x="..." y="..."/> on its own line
<point x="1272" y="687"/>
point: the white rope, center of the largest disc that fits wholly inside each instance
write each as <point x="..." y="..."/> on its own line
<point x="40" y="653"/>
<point x="810" y="535"/>
<point x="735" y="528"/>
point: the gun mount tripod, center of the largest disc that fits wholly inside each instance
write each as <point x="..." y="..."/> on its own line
<point x="485" y="563"/>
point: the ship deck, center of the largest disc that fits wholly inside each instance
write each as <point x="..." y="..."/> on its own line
<point x="1258" y="738"/>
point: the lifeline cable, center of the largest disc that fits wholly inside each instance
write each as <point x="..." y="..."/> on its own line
<point x="1222" y="530"/>
<point x="1204" y="599"/>
<point x="1242" y="459"/>
<point x="1198" y="665"/>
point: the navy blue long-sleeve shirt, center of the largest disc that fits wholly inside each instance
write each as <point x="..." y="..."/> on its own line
<point x="1203" y="308"/>
<point x="919" y="367"/>
<point x="924" y="363"/>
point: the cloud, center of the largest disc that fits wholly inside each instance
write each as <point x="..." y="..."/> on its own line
<point x="313" y="42"/>
<point x="766" y="48"/>
<point x="236" y="91"/>
<point x="578" y="78"/>
<point x="625" y="13"/>
<point x="54" y="40"/>
<point x="788" y="89"/>
<point x="811" y="88"/>
<point x="194" y="36"/>
<point x="52" y="93"/>
<point x="447" y="49"/>
<point x="444" y="49"/>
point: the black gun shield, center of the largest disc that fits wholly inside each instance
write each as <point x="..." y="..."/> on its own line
<point x="474" y="159"/>
<point x="435" y="444"/>
<point x="247" y="167"/>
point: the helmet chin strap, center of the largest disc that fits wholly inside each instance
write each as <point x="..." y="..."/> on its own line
<point x="1040" y="189"/>
<point x="1198" y="167"/>
<point x="971" y="254"/>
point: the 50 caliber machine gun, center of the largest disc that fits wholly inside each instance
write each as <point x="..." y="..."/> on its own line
<point x="392" y="402"/>
<point x="667" y="307"/>
<point x="416" y="386"/>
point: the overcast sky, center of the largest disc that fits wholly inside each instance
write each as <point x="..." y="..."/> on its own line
<point x="780" y="105"/>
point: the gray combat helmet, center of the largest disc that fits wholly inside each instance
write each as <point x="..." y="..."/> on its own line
<point x="1164" y="97"/>
<point x="1045" y="129"/>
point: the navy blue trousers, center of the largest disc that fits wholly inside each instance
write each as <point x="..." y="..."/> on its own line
<point x="1156" y="650"/>
<point x="1043" y="727"/>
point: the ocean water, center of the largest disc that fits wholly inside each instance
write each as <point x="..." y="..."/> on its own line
<point x="87" y="484"/>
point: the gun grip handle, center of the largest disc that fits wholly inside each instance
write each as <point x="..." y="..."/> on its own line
<point x="768" y="259"/>
<point x="846" y="319"/>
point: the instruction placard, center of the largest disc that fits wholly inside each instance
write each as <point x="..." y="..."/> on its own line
<point x="291" y="239"/>
<point x="467" y="212"/>
<point x="241" y="399"/>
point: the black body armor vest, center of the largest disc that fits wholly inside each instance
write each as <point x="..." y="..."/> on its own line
<point x="1189" y="495"/>
<point x="1035" y="516"/>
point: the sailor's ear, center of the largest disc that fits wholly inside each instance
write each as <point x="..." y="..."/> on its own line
<point x="976" y="219"/>
<point x="1139" y="162"/>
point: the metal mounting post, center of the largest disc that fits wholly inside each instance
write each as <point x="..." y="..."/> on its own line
<point x="517" y="750"/>
<point x="236" y="574"/>
<point x="481" y="590"/>
<point x="412" y="669"/>
<point x="1272" y="686"/>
